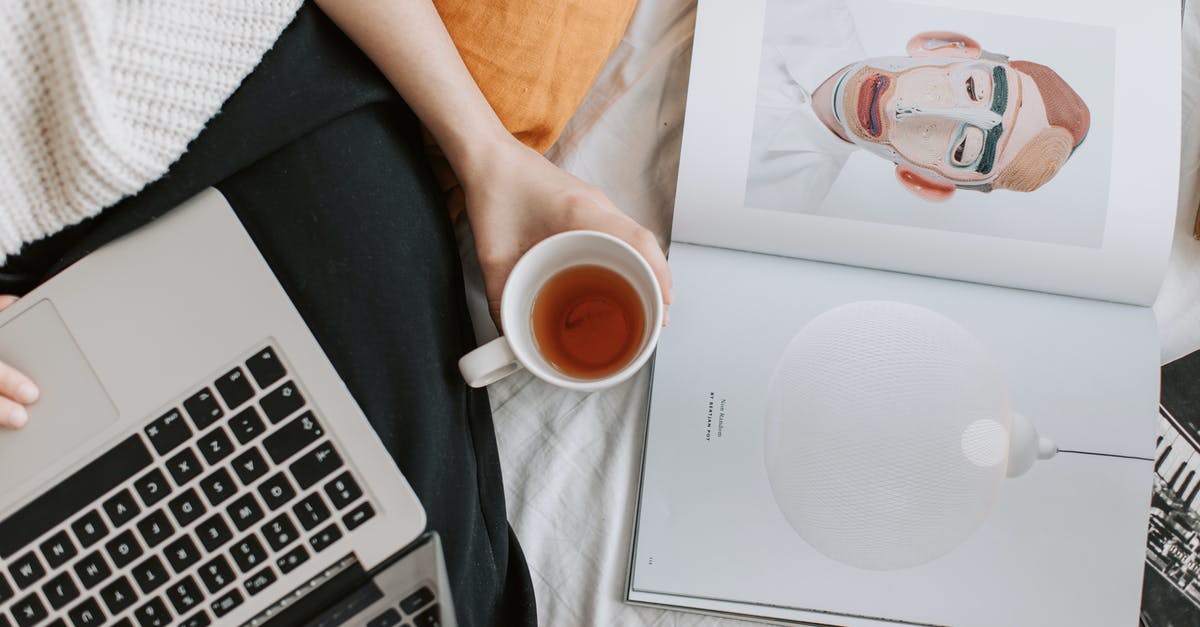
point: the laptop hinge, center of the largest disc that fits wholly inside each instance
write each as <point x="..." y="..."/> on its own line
<point x="331" y="586"/>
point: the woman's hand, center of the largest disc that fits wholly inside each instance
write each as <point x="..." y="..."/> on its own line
<point x="515" y="198"/>
<point x="16" y="390"/>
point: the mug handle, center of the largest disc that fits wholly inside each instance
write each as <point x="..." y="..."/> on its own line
<point x="488" y="363"/>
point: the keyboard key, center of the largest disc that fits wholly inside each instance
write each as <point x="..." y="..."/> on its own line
<point x="266" y="368"/>
<point x="153" y="614"/>
<point x="249" y="466"/>
<point x="58" y="622"/>
<point x="124" y="622"/>
<point x="293" y="437"/>
<point x="343" y="490"/>
<point x="168" y="431"/>
<point x="199" y="619"/>
<point x="155" y="528"/>
<point x="92" y="569"/>
<point x="121" y="508"/>
<point x="246" y="425"/>
<point x="260" y="580"/>
<point x="358" y="516"/>
<point x="248" y="553"/>
<point x="184" y="595"/>
<point x="60" y="590"/>
<point x="187" y="507"/>
<point x="123" y="549"/>
<point x="234" y="388"/>
<point x="152" y="487"/>
<point x="87" y="614"/>
<point x="417" y="600"/>
<point x="216" y="574"/>
<point x="203" y="409"/>
<point x="276" y="491"/>
<point x="74" y="494"/>
<point x="184" y="467"/>
<point x="292" y="559"/>
<point x="90" y="528"/>
<point x="316" y="464"/>
<point x="311" y="511"/>
<point x="213" y="532"/>
<point x="325" y="537"/>
<point x="280" y="532"/>
<point x="244" y="512"/>
<point x="281" y="402"/>
<point x="29" y="611"/>
<point x="57" y="549"/>
<point x="215" y="446"/>
<point x="226" y="603"/>
<point x="6" y="591"/>
<point x="27" y="570"/>
<point x="150" y="574"/>
<point x="118" y="596"/>
<point x="389" y="618"/>
<point x="218" y="486"/>
<point x="182" y="553"/>
<point x="429" y="618"/>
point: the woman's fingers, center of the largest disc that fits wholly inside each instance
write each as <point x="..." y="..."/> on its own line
<point x="616" y="223"/>
<point x="17" y="386"/>
<point x="16" y="389"/>
<point x="12" y="414"/>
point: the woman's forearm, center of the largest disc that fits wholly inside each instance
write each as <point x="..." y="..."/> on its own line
<point x="409" y="43"/>
<point x="514" y="197"/>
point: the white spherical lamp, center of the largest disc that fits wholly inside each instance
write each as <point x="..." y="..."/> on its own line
<point x="889" y="434"/>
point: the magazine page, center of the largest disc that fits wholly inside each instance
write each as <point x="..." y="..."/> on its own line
<point x="1171" y="593"/>
<point x="1062" y="544"/>
<point x="1030" y="143"/>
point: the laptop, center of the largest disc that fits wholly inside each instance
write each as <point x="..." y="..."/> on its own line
<point x="194" y="458"/>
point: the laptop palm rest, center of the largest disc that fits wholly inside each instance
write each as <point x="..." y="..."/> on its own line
<point x="73" y="406"/>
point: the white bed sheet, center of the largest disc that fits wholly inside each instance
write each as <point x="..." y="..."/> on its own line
<point x="572" y="461"/>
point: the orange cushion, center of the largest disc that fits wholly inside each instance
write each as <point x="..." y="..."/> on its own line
<point x="535" y="60"/>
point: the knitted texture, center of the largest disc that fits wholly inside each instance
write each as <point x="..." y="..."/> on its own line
<point x="99" y="97"/>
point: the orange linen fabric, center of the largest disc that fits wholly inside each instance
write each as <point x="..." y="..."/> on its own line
<point x="534" y="61"/>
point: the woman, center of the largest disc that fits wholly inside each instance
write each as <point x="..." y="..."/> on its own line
<point x="324" y="165"/>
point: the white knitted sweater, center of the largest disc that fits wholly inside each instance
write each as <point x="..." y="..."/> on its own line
<point x="99" y="97"/>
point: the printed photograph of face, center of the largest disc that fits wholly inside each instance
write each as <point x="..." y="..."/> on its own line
<point x="962" y="136"/>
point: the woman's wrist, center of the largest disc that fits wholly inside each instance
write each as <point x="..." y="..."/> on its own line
<point x="472" y="152"/>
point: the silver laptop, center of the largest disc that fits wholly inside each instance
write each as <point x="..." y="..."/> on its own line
<point x="194" y="458"/>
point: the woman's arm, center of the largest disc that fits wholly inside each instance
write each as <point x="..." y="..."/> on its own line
<point x="514" y="196"/>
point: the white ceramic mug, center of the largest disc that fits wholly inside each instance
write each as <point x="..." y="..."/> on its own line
<point x="518" y="349"/>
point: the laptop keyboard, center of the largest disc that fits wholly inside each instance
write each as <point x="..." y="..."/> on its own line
<point x="209" y="504"/>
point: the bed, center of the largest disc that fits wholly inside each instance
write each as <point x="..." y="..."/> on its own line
<point x="572" y="461"/>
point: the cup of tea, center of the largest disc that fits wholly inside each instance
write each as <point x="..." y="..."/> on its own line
<point x="581" y="310"/>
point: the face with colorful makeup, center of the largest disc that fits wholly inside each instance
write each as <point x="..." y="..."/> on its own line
<point x="950" y="115"/>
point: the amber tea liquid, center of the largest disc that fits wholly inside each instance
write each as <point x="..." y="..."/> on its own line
<point x="588" y="321"/>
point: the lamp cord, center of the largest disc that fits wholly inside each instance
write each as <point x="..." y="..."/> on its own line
<point x="1147" y="459"/>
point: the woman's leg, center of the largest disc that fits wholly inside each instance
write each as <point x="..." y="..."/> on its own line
<point x="324" y="166"/>
<point x="349" y="219"/>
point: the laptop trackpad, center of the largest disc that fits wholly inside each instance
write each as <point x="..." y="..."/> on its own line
<point x="73" y="406"/>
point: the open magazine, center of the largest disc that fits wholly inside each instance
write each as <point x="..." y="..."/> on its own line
<point x="1011" y="167"/>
